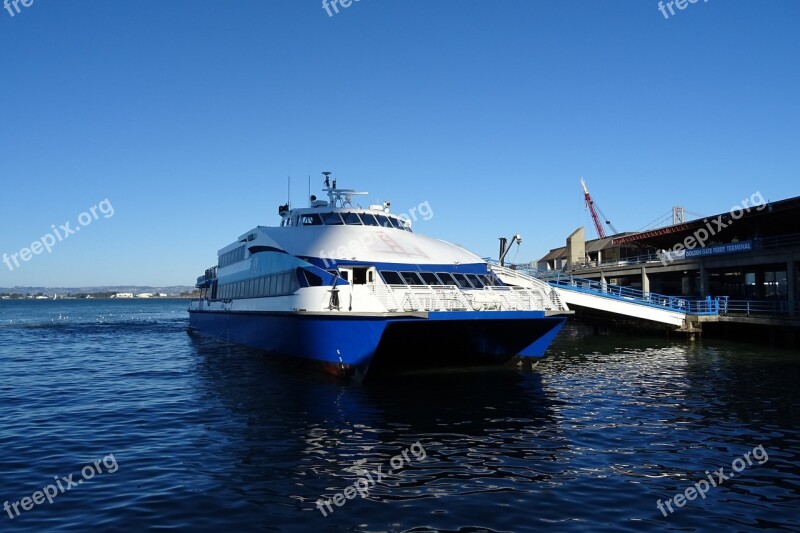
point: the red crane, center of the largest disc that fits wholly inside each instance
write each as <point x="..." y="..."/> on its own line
<point x="594" y="210"/>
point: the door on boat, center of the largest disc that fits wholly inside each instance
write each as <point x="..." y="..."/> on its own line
<point x="359" y="275"/>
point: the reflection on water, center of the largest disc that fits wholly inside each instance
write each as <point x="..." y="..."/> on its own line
<point x="212" y="436"/>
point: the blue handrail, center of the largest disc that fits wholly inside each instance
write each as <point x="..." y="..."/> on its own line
<point x="708" y="306"/>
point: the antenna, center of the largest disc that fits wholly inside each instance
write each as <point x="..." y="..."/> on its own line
<point x="289" y="191"/>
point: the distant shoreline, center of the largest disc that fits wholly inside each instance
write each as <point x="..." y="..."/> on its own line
<point x="51" y="297"/>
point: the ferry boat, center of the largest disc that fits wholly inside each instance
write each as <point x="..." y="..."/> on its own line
<point x="352" y="289"/>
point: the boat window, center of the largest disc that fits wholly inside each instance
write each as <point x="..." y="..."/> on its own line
<point x="288" y="286"/>
<point x="462" y="281"/>
<point x="279" y="288"/>
<point x="332" y="219"/>
<point x="311" y="219"/>
<point x="368" y="219"/>
<point x="430" y="278"/>
<point x="411" y="278"/>
<point x="486" y="280"/>
<point x="402" y="223"/>
<point x="447" y="279"/>
<point x="351" y="219"/>
<point x="391" y="278"/>
<point x="384" y="221"/>
<point x="476" y="282"/>
<point x="229" y="258"/>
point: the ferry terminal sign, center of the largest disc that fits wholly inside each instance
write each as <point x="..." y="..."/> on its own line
<point x="719" y="249"/>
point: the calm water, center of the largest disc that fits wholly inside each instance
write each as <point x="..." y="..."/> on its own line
<point x="203" y="436"/>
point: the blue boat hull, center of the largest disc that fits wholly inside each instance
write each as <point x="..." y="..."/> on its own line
<point x="351" y="344"/>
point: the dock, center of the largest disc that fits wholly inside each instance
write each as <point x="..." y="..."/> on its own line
<point x="737" y="268"/>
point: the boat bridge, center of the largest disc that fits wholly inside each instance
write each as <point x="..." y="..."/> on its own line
<point x="678" y="311"/>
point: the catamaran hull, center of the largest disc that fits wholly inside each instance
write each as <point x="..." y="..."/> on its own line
<point x="351" y="344"/>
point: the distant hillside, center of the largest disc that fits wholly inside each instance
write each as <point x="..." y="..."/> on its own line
<point x="172" y="290"/>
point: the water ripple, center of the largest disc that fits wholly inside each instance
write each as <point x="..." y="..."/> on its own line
<point x="210" y="436"/>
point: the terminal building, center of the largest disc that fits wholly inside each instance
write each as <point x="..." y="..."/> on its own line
<point x="748" y="257"/>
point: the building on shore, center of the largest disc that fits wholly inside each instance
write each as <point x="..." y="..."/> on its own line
<point x="748" y="257"/>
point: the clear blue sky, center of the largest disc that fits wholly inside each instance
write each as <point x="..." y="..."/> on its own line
<point x="188" y="116"/>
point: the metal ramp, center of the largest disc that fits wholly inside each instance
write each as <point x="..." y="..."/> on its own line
<point x="625" y="301"/>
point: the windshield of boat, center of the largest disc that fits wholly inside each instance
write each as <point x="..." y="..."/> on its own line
<point x="350" y="219"/>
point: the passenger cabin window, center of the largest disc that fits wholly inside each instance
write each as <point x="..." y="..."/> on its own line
<point x="312" y="279"/>
<point x="476" y="282"/>
<point x="351" y="219"/>
<point x="271" y="285"/>
<point x="332" y="219"/>
<point x="430" y="278"/>
<point x="462" y="281"/>
<point x="229" y="258"/>
<point x="447" y="279"/>
<point x="391" y="278"/>
<point x="411" y="278"/>
<point x="312" y="219"/>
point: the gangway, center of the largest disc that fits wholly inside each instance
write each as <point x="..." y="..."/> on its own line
<point x="607" y="297"/>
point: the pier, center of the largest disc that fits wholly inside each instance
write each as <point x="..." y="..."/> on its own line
<point x="733" y="268"/>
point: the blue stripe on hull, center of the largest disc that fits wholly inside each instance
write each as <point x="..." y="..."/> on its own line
<point x="326" y="340"/>
<point x="347" y="344"/>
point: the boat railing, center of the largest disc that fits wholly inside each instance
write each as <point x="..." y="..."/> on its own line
<point x="681" y="304"/>
<point x="760" y="308"/>
<point x="208" y="275"/>
<point x="451" y="298"/>
<point x="550" y="297"/>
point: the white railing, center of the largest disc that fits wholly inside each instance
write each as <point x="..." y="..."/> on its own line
<point x="521" y="280"/>
<point x="450" y="298"/>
